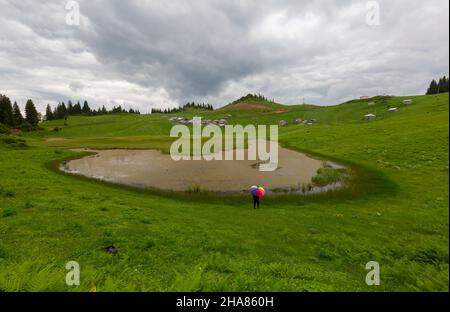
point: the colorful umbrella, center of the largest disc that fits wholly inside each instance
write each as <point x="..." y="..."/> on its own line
<point x="257" y="191"/>
<point x="260" y="192"/>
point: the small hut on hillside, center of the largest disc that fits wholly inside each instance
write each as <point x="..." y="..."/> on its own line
<point x="369" y="117"/>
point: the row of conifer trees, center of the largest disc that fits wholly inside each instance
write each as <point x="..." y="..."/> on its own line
<point x="62" y="110"/>
<point x="12" y="117"/>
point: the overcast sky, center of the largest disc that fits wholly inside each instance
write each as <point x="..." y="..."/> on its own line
<point x="145" y="54"/>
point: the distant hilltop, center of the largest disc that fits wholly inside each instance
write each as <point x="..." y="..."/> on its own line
<point x="255" y="103"/>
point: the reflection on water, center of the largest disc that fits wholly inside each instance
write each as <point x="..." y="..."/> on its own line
<point x="152" y="169"/>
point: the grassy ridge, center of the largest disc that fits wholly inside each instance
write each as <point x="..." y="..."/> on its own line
<point x="170" y="242"/>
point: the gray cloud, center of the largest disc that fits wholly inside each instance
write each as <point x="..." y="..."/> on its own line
<point x="76" y="86"/>
<point x="147" y="54"/>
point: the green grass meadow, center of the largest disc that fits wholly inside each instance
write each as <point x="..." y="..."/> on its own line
<point x="395" y="213"/>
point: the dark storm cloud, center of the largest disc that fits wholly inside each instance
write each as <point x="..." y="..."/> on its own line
<point x="189" y="49"/>
<point x="154" y="53"/>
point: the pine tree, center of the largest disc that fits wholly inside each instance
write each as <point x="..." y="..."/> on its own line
<point x="86" y="109"/>
<point x="61" y="111"/>
<point x="31" y="114"/>
<point x="442" y="85"/>
<point x="6" y="115"/>
<point x="17" y="115"/>
<point x="433" y="88"/>
<point x="446" y="84"/>
<point x="70" y="108"/>
<point x="77" y="109"/>
<point x="48" y="113"/>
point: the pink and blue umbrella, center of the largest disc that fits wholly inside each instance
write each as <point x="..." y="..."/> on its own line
<point x="257" y="191"/>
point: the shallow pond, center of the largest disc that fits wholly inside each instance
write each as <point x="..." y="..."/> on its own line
<point x="153" y="169"/>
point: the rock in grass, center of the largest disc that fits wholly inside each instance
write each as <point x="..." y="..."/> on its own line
<point x="111" y="249"/>
<point x="408" y="102"/>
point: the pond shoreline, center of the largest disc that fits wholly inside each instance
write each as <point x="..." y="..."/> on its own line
<point x="92" y="157"/>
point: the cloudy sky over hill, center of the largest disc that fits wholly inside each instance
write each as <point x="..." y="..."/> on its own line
<point x="145" y="54"/>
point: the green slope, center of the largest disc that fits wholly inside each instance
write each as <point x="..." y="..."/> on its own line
<point x="186" y="243"/>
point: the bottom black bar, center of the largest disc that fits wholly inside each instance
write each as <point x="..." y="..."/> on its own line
<point x="223" y="301"/>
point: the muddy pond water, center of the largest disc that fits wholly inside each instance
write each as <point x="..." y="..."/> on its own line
<point x="153" y="169"/>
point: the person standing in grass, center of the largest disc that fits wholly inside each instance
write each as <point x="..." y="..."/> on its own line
<point x="255" y="202"/>
<point x="257" y="192"/>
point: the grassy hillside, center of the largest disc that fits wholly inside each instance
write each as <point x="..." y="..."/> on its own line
<point x="254" y="103"/>
<point x="181" y="242"/>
